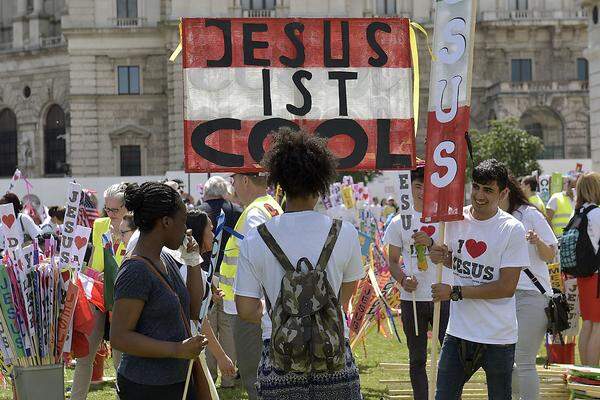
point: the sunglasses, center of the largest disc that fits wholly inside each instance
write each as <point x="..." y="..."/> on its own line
<point x="124" y="232"/>
<point x="112" y="210"/>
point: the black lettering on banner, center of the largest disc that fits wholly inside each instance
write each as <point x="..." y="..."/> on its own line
<point x="403" y="181"/>
<point x="68" y="228"/>
<point x="261" y="130"/>
<point x="267" y="105"/>
<point x="460" y="245"/>
<point x="342" y="77"/>
<point x="74" y="196"/>
<point x="250" y="45"/>
<point x="372" y="29"/>
<point x="406" y="221"/>
<point x="384" y="159"/>
<point x="67" y="242"/>
<point x="404" y="203"/>
<point x="307" y="98"/>
<point x="488" y="273"/>
<point x="327" y="59"/>
<point x="339" y="126"/>
<point x="300" y="57"/>
<point x="204" y="130"/>
<point x="12" y="242"/>
<point x="477" y="270"/>
<point x="71" y="212"/>
<point x="225" y="26"/>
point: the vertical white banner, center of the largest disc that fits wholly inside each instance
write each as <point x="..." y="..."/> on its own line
<point x="67" y="244"/>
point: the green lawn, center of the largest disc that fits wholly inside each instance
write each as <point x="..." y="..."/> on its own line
<point x="379" y="349"/>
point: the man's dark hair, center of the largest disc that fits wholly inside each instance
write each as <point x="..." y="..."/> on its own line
<point x="489" y="171"/>
<point x="150" y="202"/>
<point x="531" y="181"/>
<point x="197" y="221"/>
<point x="300" y="163"/>
<point x="11" y="198"/>
<point x="418" y="174"/>
<point x="57" y="212"/>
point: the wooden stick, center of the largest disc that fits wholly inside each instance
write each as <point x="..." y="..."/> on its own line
<point x="436" y="326"/>
<point x="187" y="379"/>
<point x="414" y="301"/>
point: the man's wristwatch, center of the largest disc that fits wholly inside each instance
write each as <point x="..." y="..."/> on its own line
<point x="456" y="293"/>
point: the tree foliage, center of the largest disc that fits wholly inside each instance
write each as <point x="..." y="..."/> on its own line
<point x="507" y="142"/>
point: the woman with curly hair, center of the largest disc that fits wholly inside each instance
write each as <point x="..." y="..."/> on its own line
<point x="303" y="166"/>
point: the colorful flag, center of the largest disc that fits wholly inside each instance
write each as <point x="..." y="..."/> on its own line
<point x="88" y="211"/>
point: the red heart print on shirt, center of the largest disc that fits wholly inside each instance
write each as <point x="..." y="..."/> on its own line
<point x="80" y="241"/>
<point x="8" y="220"/>
<point x="475" y="248"/>
<point x="429" y="230"/>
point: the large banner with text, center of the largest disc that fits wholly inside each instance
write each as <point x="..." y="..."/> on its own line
<point x="348" y="80"/>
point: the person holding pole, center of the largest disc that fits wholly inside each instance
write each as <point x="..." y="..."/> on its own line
<point x="152" y="310"/>
<point x="486" y="250"/>
<point x="407" y="237"/>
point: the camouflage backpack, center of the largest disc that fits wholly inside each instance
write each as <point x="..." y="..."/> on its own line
<point x="308" y="326"/>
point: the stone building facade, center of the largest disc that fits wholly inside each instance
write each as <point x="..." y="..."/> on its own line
<point x="593" y="55"/>
<point x="86" y="87"/>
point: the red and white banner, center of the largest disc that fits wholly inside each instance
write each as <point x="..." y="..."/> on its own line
<point x="449" y="110"/>
<point x="349" y="80"/>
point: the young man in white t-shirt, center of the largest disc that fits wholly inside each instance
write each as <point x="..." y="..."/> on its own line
<point x="403" y="234"/>
<point x="486" y="251"/>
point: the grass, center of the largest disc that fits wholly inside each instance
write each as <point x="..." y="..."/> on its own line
<point x="377" y="349"/>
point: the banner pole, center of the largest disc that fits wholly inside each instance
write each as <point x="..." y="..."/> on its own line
<point x="436" y="326"/>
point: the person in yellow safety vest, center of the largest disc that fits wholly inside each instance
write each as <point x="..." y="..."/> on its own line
<point x="560" y="207"/>
<point x="529" y="185"/>
<point x="250" y="191"/>
<point x="114" y="207"/>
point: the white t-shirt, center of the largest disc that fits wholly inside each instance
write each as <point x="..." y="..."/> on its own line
<point x="553" y="202"/>
<point x="299" y="234"/>
<point x="376" y="209"/>
<point x="254" y="218"/>
<point x="480" y="249"/>
<point x="27" y="225"/>
<point x="534" y="220"/>
<point x="593" y="226"/>
<point x="396" y="235"/>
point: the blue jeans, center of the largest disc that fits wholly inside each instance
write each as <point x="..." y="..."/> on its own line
<point x="495" y="359"/>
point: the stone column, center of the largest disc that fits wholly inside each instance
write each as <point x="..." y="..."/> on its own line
<point x="19" y="24"/>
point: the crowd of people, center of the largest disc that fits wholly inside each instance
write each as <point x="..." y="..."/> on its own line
<point x="284" y="280"/>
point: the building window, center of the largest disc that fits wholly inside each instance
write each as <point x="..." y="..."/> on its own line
<point x="385" y="7"/>
<point x="129" y="80"/>
<point x="258" y="4"/>
<point x="595" y="15"/>
<point x="8" y="138"/>
<point x="55" y="144"/>
<point x="582" y="69"/>
<point x="131" y="161"/>
<point x="521" y="70"/>
<point x="521" y="5"/>
<point x="545" y="124"/>
<point x="127" y="9"/>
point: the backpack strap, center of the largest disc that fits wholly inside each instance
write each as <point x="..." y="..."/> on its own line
<point x="332" y="237"/>
<point x="275" y="249"/>
<point x="535" y="281"/>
